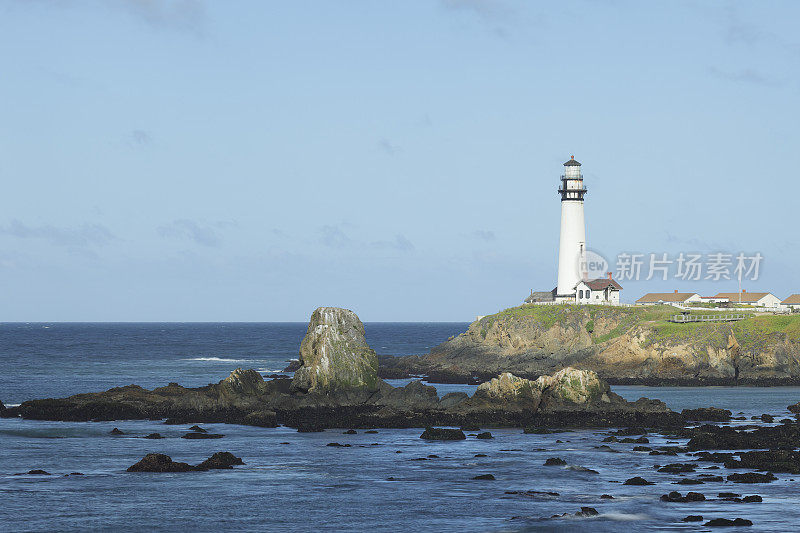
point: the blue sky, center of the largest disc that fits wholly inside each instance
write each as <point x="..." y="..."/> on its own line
<point x="253" y="160"/>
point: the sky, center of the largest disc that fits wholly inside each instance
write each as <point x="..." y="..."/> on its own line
<point x="189" y="160"/>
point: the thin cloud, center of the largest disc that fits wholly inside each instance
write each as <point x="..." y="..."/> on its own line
<point x="184" y="15"/>
<point x="496" y="15"/>
<point x="333" y="237"/>
<point x="738" y="31"/>
<point x="140" y="138"/>
<point x="387" y="147"/>
<point x="400" y="243"/>
<point x="747" y="75"/>
<point x="82" y="236"/>
<point x="187" y="16"/>
<point x="486" y="9"/>
<point x="197" y="232"/>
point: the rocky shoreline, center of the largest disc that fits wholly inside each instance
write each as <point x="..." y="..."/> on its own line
<point x="337" y="385"/>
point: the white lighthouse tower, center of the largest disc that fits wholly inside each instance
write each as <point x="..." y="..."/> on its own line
<point x="572" y="245"/>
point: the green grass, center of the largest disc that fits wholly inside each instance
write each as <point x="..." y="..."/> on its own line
<point x="750" y="332"/>
<point x="547" y="315"/>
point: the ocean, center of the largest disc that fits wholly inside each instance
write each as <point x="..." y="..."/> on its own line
<point x="294" y="482"/>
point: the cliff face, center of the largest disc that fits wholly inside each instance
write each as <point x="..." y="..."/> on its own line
<point x="621" y="344"/>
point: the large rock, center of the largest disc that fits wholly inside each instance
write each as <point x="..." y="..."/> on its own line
<point x="508" y="388"/>
<point x="415" y="395"/>
<point x="334" y="354"/>
<point x="570" y="385"/>
<point x="242" y="383"/>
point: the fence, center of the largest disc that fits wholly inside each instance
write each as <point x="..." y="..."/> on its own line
<point x="682" y="319"/>
<point x="757" y="309"/>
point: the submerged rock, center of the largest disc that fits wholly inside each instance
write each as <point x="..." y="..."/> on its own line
<point x="725" y="522"/>
<point x="555" y="461"/>
<point x="677" y="468"/>
<point x="432" y="433"/>
<point x="334" y="354"/>
<point x="486" y="435"/>
<point x="154" y="436"/>
<point x="693" y="518"/>
<point x="220" y="461"/>
<point x="196" y="435"/>
<point x="752" y="477"/>
<point x="485" y="477"/>
<point x="198" y="429"/>
<point x="36" y="472"/>
<point x="638" y="481"/>
<point x="675" y="497"/>
<point x="261" y="418"/>
<point x="711" y="414"/>
<point x="158" y="462"/>
<point x="116" y="431"/>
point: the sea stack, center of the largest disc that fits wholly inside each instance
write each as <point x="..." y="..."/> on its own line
<point x="334" y="354"/>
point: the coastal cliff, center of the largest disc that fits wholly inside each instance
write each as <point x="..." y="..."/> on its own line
<point x="624" y="345"/>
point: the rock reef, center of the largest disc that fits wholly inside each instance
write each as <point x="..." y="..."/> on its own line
<point x="337" y="385"/>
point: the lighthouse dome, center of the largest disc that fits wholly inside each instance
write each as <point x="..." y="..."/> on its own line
<point x="572" y="162"/>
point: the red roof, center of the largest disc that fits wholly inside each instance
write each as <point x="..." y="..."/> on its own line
<point x="601" y="283"/>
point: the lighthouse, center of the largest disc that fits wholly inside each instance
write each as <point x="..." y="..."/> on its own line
<point x="572" y="244"/>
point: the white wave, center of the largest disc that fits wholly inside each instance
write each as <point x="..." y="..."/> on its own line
<point x="624" y="517"/>
<point x="13" y="404"/>
<point x="220" y="360"/>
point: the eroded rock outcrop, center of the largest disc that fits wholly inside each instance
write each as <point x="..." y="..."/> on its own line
<point x="334" y="354"/>
<point x="508" y="388"/>
<point x="570" y="385"/>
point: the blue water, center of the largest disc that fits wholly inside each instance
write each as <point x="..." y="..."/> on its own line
<point x="60" y="359"/>
<point x="292" y="481"/>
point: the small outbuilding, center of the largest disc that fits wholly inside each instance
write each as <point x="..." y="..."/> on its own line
<point x="538" y="297"/>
